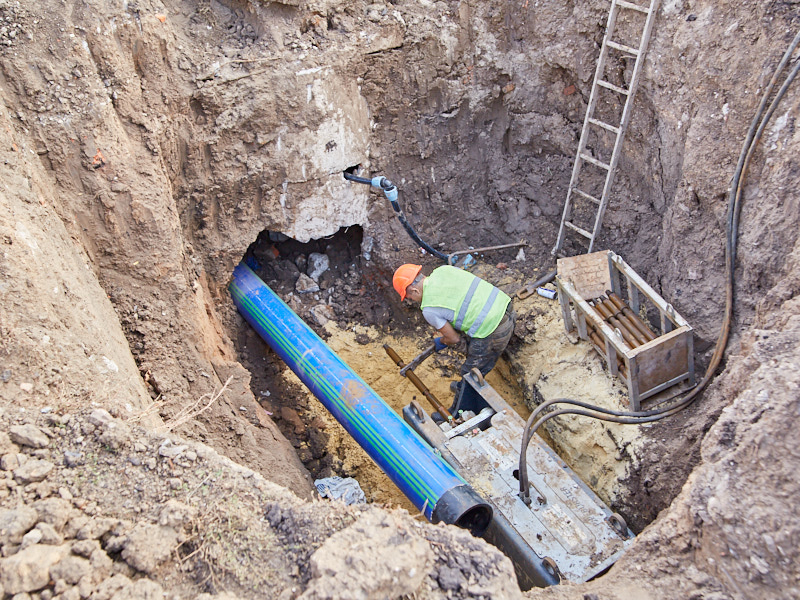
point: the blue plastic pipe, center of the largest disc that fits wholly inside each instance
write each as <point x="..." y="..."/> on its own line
<point x="424" y="477"/>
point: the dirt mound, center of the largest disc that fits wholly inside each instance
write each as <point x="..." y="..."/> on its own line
<point x="93" y="507"/>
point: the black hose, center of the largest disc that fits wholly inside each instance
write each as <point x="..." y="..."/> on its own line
<point x="767" y="117"/>
<point x="757" y="127"/>
<point x="356" y="178"/>
<point x="401" y="216"/>
<point x="754" y="134"/>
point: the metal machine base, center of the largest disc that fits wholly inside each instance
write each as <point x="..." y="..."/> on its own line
<point x="566" y="533"/>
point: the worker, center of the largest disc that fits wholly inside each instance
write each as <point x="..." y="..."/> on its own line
<point x="457" y="302"/>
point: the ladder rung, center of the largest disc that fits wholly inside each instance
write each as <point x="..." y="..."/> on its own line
<point x="631" y="5"/>
<point x="604" y="125"/>
<point x="587" y="196"/>
<point x="574" y="227"/>
<point x="622" y="48"/>
<point x="611" y="86"/>
<point x="594" y="161"/>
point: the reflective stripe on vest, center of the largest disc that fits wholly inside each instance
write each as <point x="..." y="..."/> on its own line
<point x="477" y="305"/>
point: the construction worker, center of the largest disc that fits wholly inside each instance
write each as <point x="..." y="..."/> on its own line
<point x="457" y="302"/>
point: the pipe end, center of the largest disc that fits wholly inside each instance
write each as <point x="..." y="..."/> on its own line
<point x="463" y="507"/>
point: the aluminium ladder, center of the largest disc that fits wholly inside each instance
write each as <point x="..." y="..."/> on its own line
<point x="618" y="130"/>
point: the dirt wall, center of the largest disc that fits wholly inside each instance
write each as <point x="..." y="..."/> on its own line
<point x="90" y="105"/>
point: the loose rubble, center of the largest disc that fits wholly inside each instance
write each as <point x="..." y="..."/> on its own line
<point x="95" y="508"/>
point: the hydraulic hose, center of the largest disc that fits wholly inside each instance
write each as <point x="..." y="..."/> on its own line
<point x="760" y="120"/>
<point x="402" y="218"/>
<point x="390" y="191"/>
<point x="356" y="178"/>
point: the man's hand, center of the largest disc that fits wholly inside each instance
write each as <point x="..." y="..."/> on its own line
<point x="439" y="344"/>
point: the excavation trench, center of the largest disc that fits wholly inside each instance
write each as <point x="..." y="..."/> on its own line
<point x="335" y="287"/>
<point x="145" y="145"/>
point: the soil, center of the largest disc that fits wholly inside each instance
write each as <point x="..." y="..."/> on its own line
<point x="147" y="147"/>
<point x="94" y="507"/>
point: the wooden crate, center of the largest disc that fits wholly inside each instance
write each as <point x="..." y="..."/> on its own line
<point x="648" y="369"/>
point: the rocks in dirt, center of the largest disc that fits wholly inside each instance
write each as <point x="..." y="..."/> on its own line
<point x="29" y="570"/>
<point x="34" y="536"/>
<point x="9" y="462"/>
<point x="450" y="579"/>
<point x="33" y="471"/>
<point x="317" y="442"/>
<point x="306" y="285"/>
<point x="96" y="528"/>
<point x="322" y="313"/>
<point x="55" y="512"/>
<point x="72" y="458"/>
<point x="112" y="586"/>
<point x="59" y="545"/>
<point x="327" y="280"/>
<point x="282" y="270"/>
<point x="317" y="264"/>
<point x="16" y="523"/>
<point x="49" y="535"/>
<point x="367" y="245"/>
<point x="169" y="450"/>
<point x="116" y="525"/>
<point x="100" y="417"/>
<point x="141" y="589"/>
<point x="294" y="302"/>
<point x="113" y="434"/>
<point x="28" y="435"/>
<point x="11" y="30"/>
<point x="371" y="559"/>
<point x="265" y="253"/>
<point x="175" y="514"/>
<point x="147" y="546"/>
<point x="376" y="12"/>
<point x="6" y="445"/>
<point x="70" y="569"/>
<point x="290" y="416"/>
<point x="120" y="587"/>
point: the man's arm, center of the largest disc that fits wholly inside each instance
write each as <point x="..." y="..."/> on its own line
<point x="449" y="335"/>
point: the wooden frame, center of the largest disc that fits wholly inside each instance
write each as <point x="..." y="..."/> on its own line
<point x="648" y="369"/>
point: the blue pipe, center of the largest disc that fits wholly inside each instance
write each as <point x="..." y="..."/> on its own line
<point x="425" y="478"/>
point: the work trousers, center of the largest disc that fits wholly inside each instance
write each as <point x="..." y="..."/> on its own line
<point x="484" y="352"/>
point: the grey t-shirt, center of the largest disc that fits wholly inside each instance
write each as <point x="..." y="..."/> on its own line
<point x="438" y="316"/>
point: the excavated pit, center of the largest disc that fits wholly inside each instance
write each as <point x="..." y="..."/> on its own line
<point x="146" y="145"/>
<point x="332" y="284"/>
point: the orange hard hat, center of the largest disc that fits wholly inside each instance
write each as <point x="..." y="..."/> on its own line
<point x="403" y="277"/>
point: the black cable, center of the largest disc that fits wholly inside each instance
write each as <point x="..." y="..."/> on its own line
<point x="413" y="234"/>
<point x="356" y="178"/>
<point x="398" y="211"/>
<point x="754" y="134"/>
